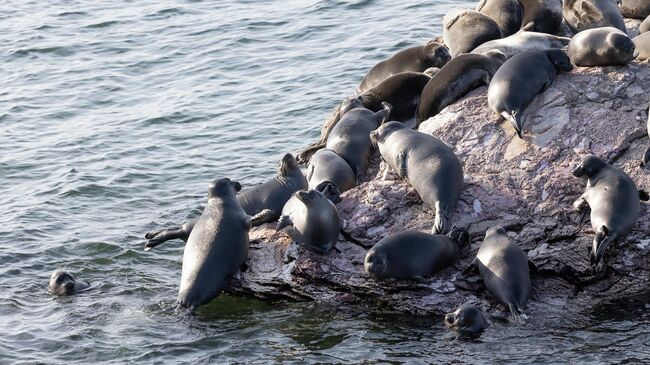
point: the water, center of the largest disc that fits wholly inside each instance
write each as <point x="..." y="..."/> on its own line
<point x="113" y="118"/>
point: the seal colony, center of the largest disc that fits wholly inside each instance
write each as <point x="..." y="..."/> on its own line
<point x="217" y="243"/>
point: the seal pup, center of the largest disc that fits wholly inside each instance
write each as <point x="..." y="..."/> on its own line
<point x="637" y="9"/>
<point x="465" y="29"/>
<point x="587" y="14"/>
<point x="312" y="220"/>
<point x="414" y="255"/>
<point x="520" y="79"/>
<point x="606" y="46"/>
<point x="461" y="75"/>
<point x="543" y="16"/>
<point x="642" y="46"/>
<point x="326" y="165"/>
<point x="645" y="26"/>
<point x="503" y="266"/>
<point x="217" y="246"/>
<point x="506" y="13"/>
<point x="467" y="319"/>
<point x="414" y="59"/>
<point x="523" y="41"/>
<point x="429" y="165"/>
<point x="63" y="283"/>
<point x="614" y="201"/>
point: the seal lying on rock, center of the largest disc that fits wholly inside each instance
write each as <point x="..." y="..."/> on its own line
<point x="465" y="29"/>
<point x="637" y="9"/>
<point x="541" y="15"/>
<point x="614" y="201"/>
<point x="587" y="14"/>
<point x="326" y="165"/>
<point x="504" y="269"/>
<point x="429" y="165"/>
<point x="62" y="283"/>
<point x="414" y="59"/>
<point x="402" y="91"/>
<point x="467" y="319"/>
<point x="606" y="46"/>
<point x="520" y="79"/>
<point x="458" y="77"/>
<point x="642" y="46"/>
<point x="506" y="13"/>
<point x="412" y="255"/>
<point x="217" y="246"/>
<point x="523" y="41"/>
<point x="312" y="220"/>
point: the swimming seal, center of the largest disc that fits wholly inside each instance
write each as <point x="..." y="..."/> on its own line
<point x="520" y="79"/>
<point x="217" y="246"/>
<point x="63" y="283"/>
<point x="461" y="75"/>
<point x="412" y="255"/>
<point x="614" y="201"/>
<point x="606" y="46"/>
<point x="504" y="268"/>
<point x="637" y="9"/>
<point x="587" y="14"/>
<point x="543" y="16"/>
<point x="414" y="59"/>
<point x="429" y="165"/>
<point x="523" y="41"/>
<point x="326" y="165"/>
<point x="645" y="26"/>
<point x="467" y="319"/>
<point x="642" y="46"/>
<point x="506" y="13"/>
<point x="311" y="220"/>
<point x="465" y="29"/>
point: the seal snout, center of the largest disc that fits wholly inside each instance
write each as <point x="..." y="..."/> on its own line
<point x="578" y="171"/>
<point x="237" y="186"/>
<point x="450" y="318"/>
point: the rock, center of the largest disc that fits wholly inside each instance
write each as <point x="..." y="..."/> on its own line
<point x="525" y="185"/>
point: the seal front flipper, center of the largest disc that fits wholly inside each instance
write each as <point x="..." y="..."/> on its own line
<point x="442" y="218"/>
<point x="512" y="117"/>
<point x="283" y="221"/>
<point x="472" y="269"/>
<point x="580" y="204"/>
<point x="646" y="158"/>
<point x="265" y="216"/>
<point x="602" y="240"/>
<point x="384" y="114"/>
<point x="401" y="163"/>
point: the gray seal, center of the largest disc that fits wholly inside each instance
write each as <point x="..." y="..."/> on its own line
<point x="467" y="319"/>
<point x="311" y="220"/>
<point x="350" y="137"/>
<point x="414" y="255"/>
<point x="414" y="59"/>
<point x="520" y="79"/>
<point x="506" y="13"/>
<point x="543" y="16"/>
<point x="504" y="268"/>
<point x="217" y="246"/>
<point x="402" y="91"/>
<point x="645" y="26"/>
<point x="461" y="75"/>
<point x="642" y="46"/>
<point x="637" y="9"/>
<point x="465" y="29"/>
<point x="606" y="46"/>
<point x="523" y="41"/>
<point x="429" y="165"/>
<point x="587" y="14"/>
<point x="614" y="201"/>
<point x="326" y="165"/>
<point x="63" y="283"/>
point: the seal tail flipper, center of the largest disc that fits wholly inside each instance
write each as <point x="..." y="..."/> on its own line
<point x="602" y="240"/>
<point x="441" y="221"/>
<point x="460" y="235"/>
<point x="284" y="221"/>
<point x="646" y="158"/>
<point x="265" y="216"/>
<point x="157" y="237"/>
<point x="644" y="196"/>
<point x="514" y="121"/>
<point x="304" y="155"/>
<point x="330" y="190"/>
<point x="516" y="312"/>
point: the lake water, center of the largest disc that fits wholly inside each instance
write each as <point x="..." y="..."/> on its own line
<point x="115" y="115"/>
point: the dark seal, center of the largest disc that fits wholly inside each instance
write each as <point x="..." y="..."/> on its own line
<point x="606" y="46"/>
<point x="63" y="283"/>
<point x="465" y="29"/>
<point x="506" y="13"/>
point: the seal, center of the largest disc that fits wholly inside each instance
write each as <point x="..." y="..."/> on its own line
<point x="506" y="13"/>
<point x="614" y="201"/>
<point x="326" y="165"/>
<point x="587" y="14"/>
<point x="637" y="9"/>
<point x="467" y="319"/>
<point x="503" y="266"/>
<point x="63" y="283"/>
<point x="461" y="75"/>
<point x="642" y="46"/>
<point x="543" y="16"/>
<point x="520" y="79"/>
<point x="645" y="26"/>
<point x="465" y="29"/>
<point x="311" y="220"/>
<point x="429" y="165"/>
<point x="523" y="41"/>
<point x="415" y="59"/>
<point x="217" y="246"/>
<point x="414" y="255"/>
<point x="606" y="46"/>
<point x="402" y="91"/>
<point x="350" y="137"/>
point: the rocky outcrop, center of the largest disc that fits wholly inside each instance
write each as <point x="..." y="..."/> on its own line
<point x="524" y="184"/>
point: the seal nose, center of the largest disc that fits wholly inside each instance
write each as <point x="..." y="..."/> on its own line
<point x="578" y="171"/>
<point x="237" y="186"/>
<point x="69" y="288"/>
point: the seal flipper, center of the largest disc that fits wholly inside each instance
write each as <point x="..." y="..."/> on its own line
<point x="265" y="216"/>
<point x="644" y="196"/>
<point x="441" y="220"/>
<point x="384" y="114"/>
<point x="472" y="269"/>
<point x="157" y="237"/>
<point x="517" y="312"/>
<point x="400" y="162"/>
<point x="284" y="221"/>
<point x="602" y="240"/>
<point x="646" y="158"/>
